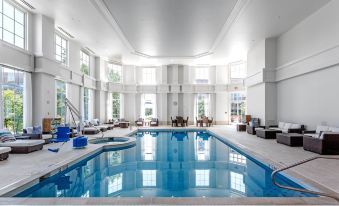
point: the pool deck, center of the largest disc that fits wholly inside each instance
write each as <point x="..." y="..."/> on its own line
<point x="22" y="170"/>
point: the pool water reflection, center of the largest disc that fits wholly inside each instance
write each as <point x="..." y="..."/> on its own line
<point x="165" y="164"/>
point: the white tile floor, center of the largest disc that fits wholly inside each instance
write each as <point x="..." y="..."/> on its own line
<point x="23" y="168"/>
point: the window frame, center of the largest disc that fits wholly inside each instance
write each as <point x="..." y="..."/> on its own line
<point x="151" y="77"/>
<point x="116" y="116"/>
<point x="63" y="38"/>
<point x="56" y="98"/>
<point x="16" y="7"/>
<point x="82" y="61"/>
<point x="236" y="66"/>
<point x="201" y="72"/>
<point x="113" y="67"/>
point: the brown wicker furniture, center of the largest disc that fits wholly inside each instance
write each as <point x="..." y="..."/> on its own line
<point x="140" y="122"/>
<point x="324" y="140"/>
<point x="241" y="127"/>
<point x="123" y="124"/>
<point x="24" y="146"/>
<point x="154" y="122"/>
<point x="252" y="125"/>
<point x="290" y="139"/>
<point x="90" y="130"/>
<point x="4" y="151"/>
<point x="286" y="127"/>
<point x="267" y="133"/>
<point x="174" y="122"/>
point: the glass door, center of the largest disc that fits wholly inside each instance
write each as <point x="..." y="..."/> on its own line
<point x="238" y="107"/>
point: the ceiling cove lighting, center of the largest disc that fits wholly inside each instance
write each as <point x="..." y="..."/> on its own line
<point x="65" y="32"/>
<point x="25" y="3"/>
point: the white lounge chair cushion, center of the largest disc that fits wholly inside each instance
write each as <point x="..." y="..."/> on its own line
<point x="276" y="128"/>
<point x="281" y="125"/>
<point x="29" y="130"/>
<point x="90" y="129"/>
<point x="296" y="126"/>
<point x="313" y="135"/>
<point x="321" y="129"/>
<point x="287" y="126"/>
<point x="22" y="143"/>
<point x="334" y="129"/>
<point x="47" y="136"/>
<point x="5" y="150"/>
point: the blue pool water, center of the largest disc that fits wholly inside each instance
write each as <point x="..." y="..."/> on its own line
<point x="165" y="164"/>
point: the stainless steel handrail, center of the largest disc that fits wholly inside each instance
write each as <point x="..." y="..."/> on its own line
<point x="273" y="176"/>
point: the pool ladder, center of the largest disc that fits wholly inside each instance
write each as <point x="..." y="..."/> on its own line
<point x="273" y="176"/>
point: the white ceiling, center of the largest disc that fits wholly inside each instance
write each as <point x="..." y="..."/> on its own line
<point x="154" y="32"/>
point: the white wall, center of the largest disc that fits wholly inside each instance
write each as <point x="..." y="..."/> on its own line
<point x="310" y="99"/>
<point x="308" y="55"/>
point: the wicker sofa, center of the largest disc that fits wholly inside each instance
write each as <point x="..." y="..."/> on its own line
<point x="324" y="140"/>
<point x="286" y="127"/>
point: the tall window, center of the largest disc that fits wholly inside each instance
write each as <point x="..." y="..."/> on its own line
<point x="60" y="98"/>
<point x="238" y="106"/>
<point x="61" y="49"/>
<point x="148" y="147"/>
<point x="116" y="105"/>
<point x="237" y="182"/>
<point x="201" y="75"/>
<point x="86" y="104"/>
<point x="84" y="63"/>
<point x="12" y="24"/>
<point x="148" y="105"/>
<point x="202" y="105"/>
<point x="236" y="158"/>
<point x="202" y="149"/>
<point x="114" y="183"/>
<point x="202" y="178"/>
<point x="148" y="76"/>
<point x="114" y="73"/>
<point x="238" y="70"/>
<point x="149" y="178"/>
<point x="12" y="96"/>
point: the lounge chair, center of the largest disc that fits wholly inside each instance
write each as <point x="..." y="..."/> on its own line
<point x="23" y="146"/>
<point x="324" y="140"/>
<point x="154" y="122"/>
<point x="4" y="151"/>
<point x="253" y="124"/>
<point x="36" y="133"/>
<point x="139" y="122"/>
<point x="88" y="129"/>
<point x="96" y="123"/>
<point x="7" y="139"/>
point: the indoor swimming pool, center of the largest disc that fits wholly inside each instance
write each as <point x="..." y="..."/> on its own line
<point x="166" y="164"/>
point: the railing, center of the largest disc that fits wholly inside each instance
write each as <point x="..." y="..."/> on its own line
<point x="273" y="176"/>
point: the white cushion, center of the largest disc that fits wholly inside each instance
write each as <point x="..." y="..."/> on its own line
<point x="334" y="129"/>
<point x="295" y="126"/>
<point x="284" y="130"/>
<point x="258" y="128"/>
<point x="321" y="129"/>
<point x="22" y="143"/>
<point x="287" y="126"/>
<point x="5" y="150"/>
<point x="275" y="128"/>
<point x="29" y="130"/>
<point x="312" y="135"/>
<point x="47" y="136"/>
<point x="281" y="124"/>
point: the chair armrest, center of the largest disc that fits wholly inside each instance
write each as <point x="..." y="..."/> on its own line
<point x="309" y="132"/>
<point x="277" y="126"/>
